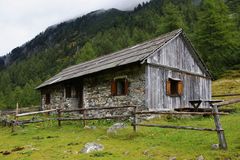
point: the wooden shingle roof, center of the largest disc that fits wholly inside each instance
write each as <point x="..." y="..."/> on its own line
<point x="137" y="53"/>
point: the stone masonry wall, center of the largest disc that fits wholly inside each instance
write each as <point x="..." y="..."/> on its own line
<point x="97" y="89"/>
<point x="57" y="99"/>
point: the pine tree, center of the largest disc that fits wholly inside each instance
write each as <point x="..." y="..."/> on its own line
<point x="214" y="35"/>
<point x="86" y="53"/>
<point x="172" y="18"/>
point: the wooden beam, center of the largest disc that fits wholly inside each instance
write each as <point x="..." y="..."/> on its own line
<point x="96" y="108"/>
<point x="177" y="70"/>
<point x="94" y="118"/>
<point x="33" y="113"/>
<point x="181" y="113"/>
<point x="226" y="95"/>
<point x="176" y="127"/>
<point x="227" y="102"/>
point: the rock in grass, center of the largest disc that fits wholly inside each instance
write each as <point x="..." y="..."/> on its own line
<point x="115" y="127"/>
<point x="92" y="146"/>
<point x="90" y="127"/>
<point x="200" y="157"/>
<point x="215" y="146"/>
<point x="172" y="158"/>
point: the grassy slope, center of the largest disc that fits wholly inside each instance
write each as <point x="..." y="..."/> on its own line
<point x="147" y="143"/>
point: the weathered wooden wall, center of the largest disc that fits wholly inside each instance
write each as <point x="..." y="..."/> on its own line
<point x="175" y="60"/>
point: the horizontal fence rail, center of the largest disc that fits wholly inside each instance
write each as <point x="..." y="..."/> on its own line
<point x="225" y="103"/>
<point x="96" y="108"/>
<point x="226" y="95"/>
<point x="20" y="110"/>
<point x="181" y="113"/>
<point x="176" y="127"/>
<point x="34" y="113"/>
<point x="93" y="118"/>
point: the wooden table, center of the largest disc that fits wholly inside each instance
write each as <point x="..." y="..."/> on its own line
<point x="197" y="103"/>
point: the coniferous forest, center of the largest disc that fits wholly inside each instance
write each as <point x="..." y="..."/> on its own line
<point x="213" y="26"/>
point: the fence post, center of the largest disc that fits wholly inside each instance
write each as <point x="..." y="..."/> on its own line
<point x="134" y="119"/>
<point x="14" y="122"/>
<point x="84" y="116"/>
<point x="59" y="116"/>
<point x="220" y="131"/>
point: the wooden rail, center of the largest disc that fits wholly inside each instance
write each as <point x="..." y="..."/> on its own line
<point x="94" y="118"/>
<point x="176" y="127"/>
<point x="181" y="113"/>
<point x="34" y="113"/>
<point x="20" y="110"/>
<point x="96" y="108"/>
<point x="226" y="95"/>
<point x="225" y="103"/>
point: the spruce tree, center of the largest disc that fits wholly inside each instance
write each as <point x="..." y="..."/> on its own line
<point x="215" y="37"/>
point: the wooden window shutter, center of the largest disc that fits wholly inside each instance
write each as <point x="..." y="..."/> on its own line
<point x="168" y="87"/>
<point x="114" y="88"/>
<point x="126" y="86"/>
<point x="180" y="88"/>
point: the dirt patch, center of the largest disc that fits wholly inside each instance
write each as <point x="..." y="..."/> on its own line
<point x="17" y="149"/>
<point x="49" y="137"/>
<point x="5" y="153"/>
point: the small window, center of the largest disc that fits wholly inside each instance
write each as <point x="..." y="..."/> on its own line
<point x="48" y="98"/>
<point x="68" y="92"/>
<point x="174" y="87"/>
<point x="119" y="87"/>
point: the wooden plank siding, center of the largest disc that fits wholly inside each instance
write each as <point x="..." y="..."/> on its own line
<point x="175" y="61"/>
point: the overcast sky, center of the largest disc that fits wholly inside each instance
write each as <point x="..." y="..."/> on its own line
<point x="22" y="20"/>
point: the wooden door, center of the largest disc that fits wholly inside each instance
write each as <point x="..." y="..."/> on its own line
<point x="80" y="95"/>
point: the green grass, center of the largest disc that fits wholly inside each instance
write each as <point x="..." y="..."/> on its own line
<point x="47" y="141"/>
<point x="228" y="84"/>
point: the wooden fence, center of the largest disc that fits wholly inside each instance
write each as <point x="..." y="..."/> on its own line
<point x="214" y="113"/>
<point x="135" y="116"/>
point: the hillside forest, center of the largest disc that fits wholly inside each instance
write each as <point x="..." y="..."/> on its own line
<point x="213" y="26"/>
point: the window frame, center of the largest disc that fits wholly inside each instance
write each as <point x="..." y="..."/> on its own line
<point x="178" y="87"/>
<point x="125" y="87"/>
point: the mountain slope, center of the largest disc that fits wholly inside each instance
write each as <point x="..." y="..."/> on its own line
<point x="102" y="32"/>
